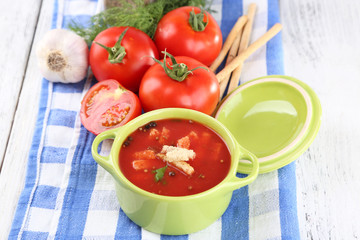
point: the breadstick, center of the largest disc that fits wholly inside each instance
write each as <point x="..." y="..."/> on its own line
<point x="228" y="42"/>
<point x="247" y="52"/>
<point x="232" y="54"/>
<point x="245" y="39"/>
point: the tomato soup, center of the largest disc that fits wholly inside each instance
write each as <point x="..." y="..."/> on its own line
<point x="174" y="157"/>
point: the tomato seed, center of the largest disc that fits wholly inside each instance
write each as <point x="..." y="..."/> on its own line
<point x="114" y="115"/>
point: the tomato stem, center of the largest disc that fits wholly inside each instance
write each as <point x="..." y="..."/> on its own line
<point x="176" y="71"/>
<point x="196" y="20"/>
<point x="117" y="52"/>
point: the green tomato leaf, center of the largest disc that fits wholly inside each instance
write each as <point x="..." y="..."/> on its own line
<point x="159" y="173"/>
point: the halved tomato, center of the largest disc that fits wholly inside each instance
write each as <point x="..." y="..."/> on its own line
<point x="108" y="105"/>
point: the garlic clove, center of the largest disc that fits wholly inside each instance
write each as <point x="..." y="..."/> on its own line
<point x="62" y="56"/>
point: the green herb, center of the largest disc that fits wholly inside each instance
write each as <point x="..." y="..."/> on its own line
<point x="133" y="13"/>
<point x="159" y="173"/>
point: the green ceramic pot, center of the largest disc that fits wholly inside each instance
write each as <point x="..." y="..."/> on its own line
<point x="174" y="215"/>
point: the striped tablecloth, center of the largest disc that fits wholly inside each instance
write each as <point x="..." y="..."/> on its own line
<point x="68" y="196"/>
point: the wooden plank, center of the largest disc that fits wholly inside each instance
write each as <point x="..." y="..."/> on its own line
<point x="17" y="28"/>
<point x="15" y="161"/>
<point x="321" y="47"/>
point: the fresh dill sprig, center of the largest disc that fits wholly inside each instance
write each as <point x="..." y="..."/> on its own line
<point x="133" y="13"/>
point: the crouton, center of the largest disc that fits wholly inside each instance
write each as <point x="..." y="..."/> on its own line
<point x="173" y="154"/>
<point x="193" y="135"/>
<point x="216" y="149"/>
<point x="145" y="155"/>
<point x="184" y="166"/>
<point x="165" y="133"/>
<point x="162" y="136"/>
<point x="178" y="157"/>
<point x="183" y="142"/>
<point x="154" y="133"/>
<point x="142" y="164"/>
<point x="205" y="137"/>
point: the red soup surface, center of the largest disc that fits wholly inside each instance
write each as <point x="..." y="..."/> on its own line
<point x="174" y="157"/>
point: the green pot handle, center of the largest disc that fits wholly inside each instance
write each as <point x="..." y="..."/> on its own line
<point x="235" y="182"/>
<point x="103" y="161"/>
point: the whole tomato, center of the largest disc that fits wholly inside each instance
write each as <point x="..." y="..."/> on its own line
<point x="189" y="31"/>
<point x="108" y="105"/>
<point x="123" y="54"/>
<point x="183" y="83"/>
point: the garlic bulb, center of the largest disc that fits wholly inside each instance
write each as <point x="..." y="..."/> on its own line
<point x="62" y="56"/>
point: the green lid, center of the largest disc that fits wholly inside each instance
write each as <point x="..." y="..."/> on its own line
<point x="274" y="117"/>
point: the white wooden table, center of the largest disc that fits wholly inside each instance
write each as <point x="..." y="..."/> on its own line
<point x="321" y="42"/>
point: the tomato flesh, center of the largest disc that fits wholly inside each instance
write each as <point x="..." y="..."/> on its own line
<point x="108" y="105"/>
<point x="115" y="115"/>
<point x="90" y="102"/>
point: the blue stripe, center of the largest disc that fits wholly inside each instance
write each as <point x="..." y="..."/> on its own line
<point x="55" y="14"/>
<point x="69" y="87"/>
<point x="235" y="221"/>
<point x="35" y="235"/>
<point x="31" y="172"/>
<point x="231" y="11"/>
<point x="125" y="227"/>
<point x="82" y="20"/>
<point x="274" y="50"/>
<point x="286" y="175"/>
<point x="53" y="155"/>
<point x="80" y="187"/>
<point x="170" y="237"/>
<point x="60" y="117"/>
<point x="45" y="197"/>
<point x="288" y="203"/>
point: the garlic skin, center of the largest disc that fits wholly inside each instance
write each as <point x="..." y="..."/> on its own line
<point x="62" y="56"/>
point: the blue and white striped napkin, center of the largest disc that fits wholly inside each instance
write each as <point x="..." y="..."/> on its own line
<point x="68" y="196"/>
